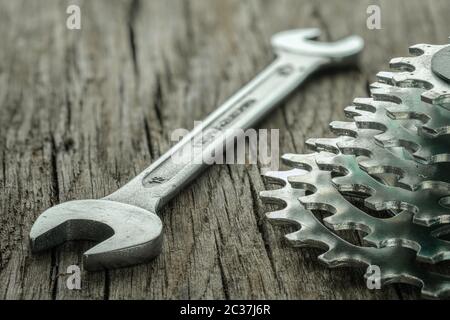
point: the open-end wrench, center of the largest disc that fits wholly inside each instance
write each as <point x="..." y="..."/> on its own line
<point x="126" y="220"/>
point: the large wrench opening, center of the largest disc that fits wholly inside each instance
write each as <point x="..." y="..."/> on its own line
<point x="126" y="221"/>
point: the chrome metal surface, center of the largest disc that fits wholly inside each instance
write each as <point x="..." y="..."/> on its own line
<point x="122" y="212"/>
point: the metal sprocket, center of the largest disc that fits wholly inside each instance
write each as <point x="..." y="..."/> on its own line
<point x="401" y="131"/>
<point x="397" y="264"/>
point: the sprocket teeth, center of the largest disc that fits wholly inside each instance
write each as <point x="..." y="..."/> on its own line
<point x="409" y="183"/>
<point x="304" y="237"/>
<point x="284" y="217"/>
<point x="433" y="256"/>
<point x="273" y="196"/>
<point x="329" y="145"/>
<point x="388" y="141"/>
<point x="377" y="203"/>
<point x="352" y="112"/>
<point x="367" y="122"/>
<point x="391" y="78"/>
<point x="336" y="257"/>
<point x="313" y="202"/>
<point x="280" y="217"/>
<point x="349" y="147"/>
<point x="391" y="157"/>
<point x="428" y="219"/>
<point x="402" y="64"/>
<point x="346" y="184"/>
<point x="371" y="238"/>
<point x="280" y="177"/>
<point x="436" y="97"/>
<point x="311" y="144"/>
<point x="365" y="104"/>
<point x="343" y="221"/>
<point x="368" y="164"/>
<point x="344" y="128"/>
<point x="419" y="75"/>
<point x="386" y="93"/>
<point x="303" y="182"/>
<point x="435" y="290"/>
<point x="330" y="259"/>
<point x="434" y="132"/>
<point x="378" y="86"/>
<point x="418" y="49"/>
<point x="409" y="80"/>
<point x="426" y="157"/>
<point x="405" y="113"/>
<point x="385" y="77"/>
<point x="425" y="49"/>
<point x="434" y="122"/>
<point x="302" y="161"/>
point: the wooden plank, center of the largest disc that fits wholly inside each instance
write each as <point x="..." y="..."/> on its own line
<point x="81" y="112"/>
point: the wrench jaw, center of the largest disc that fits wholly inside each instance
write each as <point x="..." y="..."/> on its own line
<point x="129" y="235"/>
<point x="301" y="41"/>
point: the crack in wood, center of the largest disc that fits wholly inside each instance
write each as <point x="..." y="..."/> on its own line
<point x="132" y="15"/>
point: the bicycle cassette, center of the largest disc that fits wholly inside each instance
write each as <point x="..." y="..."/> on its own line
<point x="392" y="157"/>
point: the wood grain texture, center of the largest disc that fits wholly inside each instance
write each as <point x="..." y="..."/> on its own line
<point x="82" y="112"/>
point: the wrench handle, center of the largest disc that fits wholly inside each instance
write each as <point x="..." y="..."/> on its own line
<point x="164" y="178"/>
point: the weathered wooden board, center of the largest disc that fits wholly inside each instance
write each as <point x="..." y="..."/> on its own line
<point x="81" y="112"/>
